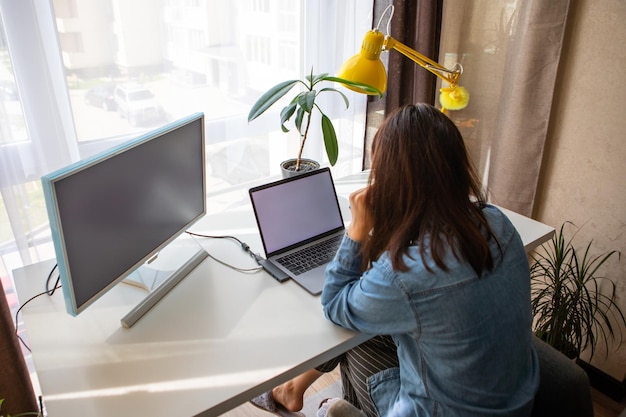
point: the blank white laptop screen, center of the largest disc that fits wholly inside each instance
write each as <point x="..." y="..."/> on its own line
<point x="292" y="212"/>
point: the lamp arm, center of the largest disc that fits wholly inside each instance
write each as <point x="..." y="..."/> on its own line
<point x="449" y="75"/>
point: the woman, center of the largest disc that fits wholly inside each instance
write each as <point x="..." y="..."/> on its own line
<point x="426" y="261"/>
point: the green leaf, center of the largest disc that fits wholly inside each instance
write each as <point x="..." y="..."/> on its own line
<point x="270" y="97"/>
<point x="330" y="140"/>
<point x="306" y="100"/>
<point x="303" y="104"/>
<point x="571" y="311"/>
<point x="345" y="99"/>
<point x="286" y="114"/>
<point x="299" y="118"/>
<point x="319" y="78"/>
<point x="365" y="87"/>
<point x="27" y="413"/>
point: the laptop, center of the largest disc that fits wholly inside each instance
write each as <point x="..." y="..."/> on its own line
<point x="299" y="219"/>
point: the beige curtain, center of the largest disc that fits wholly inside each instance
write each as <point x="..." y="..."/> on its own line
<point x="510" y="53"/>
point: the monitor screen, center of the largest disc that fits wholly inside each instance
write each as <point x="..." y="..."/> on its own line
<point x="111" y="213"/>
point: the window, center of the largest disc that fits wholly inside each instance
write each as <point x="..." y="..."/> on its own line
<point x="288" y="55"/>
<point x="258" y="49"/>
<point x="77" y="78"/>
<point x="65" y="8"/>
<point x="11" y="118"/>
<point x="287" y="16"/>
<point x="71" y="42"/>
<point x="261" y="6"/>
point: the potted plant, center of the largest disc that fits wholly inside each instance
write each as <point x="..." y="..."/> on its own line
<point x="303" y="104"/>
<point x="570" y="312"/>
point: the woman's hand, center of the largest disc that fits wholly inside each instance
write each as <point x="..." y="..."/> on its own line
<point x="361" y="224"/>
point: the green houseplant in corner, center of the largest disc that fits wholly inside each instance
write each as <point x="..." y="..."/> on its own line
<point x="570" y="310"/>
<point x="303" y="105"/>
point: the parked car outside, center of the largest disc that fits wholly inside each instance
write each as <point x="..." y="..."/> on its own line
<point x="102" y="96"/>
<point x="137" y="104"/>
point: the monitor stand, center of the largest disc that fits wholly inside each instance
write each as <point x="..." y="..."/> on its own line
<point x="162" y="272"/>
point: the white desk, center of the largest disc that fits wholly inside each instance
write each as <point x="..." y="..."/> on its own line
<point x="216" y="340"/>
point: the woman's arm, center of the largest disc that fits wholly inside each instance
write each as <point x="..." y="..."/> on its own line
<point x="373" y="302"/>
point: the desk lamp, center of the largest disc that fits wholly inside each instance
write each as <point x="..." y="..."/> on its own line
<point x="366" y="67"/>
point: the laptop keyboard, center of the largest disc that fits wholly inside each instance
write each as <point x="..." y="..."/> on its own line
<point x="312" y="256"/>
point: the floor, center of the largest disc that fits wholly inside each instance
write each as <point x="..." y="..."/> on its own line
<point x="603" y="406"/>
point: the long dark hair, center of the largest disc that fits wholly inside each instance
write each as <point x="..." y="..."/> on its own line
<point x="424" y="191"/>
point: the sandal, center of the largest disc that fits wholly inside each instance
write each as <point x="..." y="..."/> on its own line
<point x="265" y="402"/>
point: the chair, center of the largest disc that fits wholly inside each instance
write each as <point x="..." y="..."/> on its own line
<point x="564" y="389"/>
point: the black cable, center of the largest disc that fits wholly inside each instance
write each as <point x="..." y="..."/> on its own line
<point x="47" y="291"/>
<point x="244" y="246"/>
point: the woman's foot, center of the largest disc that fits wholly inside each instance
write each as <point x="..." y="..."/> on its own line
<point x="289" y="396"/>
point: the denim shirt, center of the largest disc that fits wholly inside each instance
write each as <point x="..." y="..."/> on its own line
<point x="464" y="341"/>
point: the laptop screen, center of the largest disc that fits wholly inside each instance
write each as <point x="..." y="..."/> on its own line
<point x="296" y="210"/>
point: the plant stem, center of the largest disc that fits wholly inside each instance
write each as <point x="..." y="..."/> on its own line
<point x="306" y="132"/>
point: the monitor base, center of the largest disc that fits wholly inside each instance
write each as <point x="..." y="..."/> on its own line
<point x="158" y="280"/>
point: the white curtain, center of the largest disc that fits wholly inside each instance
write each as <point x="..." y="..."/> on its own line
<point x="211" y="56"/>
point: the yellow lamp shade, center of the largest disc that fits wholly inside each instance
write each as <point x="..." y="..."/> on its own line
<point x="454" y="97"/>
<point x="366" y="67"/>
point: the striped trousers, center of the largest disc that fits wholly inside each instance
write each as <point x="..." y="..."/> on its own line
<point x="358" y="364"/>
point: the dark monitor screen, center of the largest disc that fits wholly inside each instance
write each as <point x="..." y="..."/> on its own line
<point x="111" y="213"/>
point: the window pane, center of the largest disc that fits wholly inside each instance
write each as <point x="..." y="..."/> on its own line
<point x="91" y="75"/>
<point x="12" y="126"/>
<point x="134" y="66"/>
